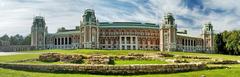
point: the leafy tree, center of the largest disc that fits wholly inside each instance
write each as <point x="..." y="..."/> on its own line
<point x="27" y="40"/>
<point x="219" y="44"/>
<point x="5" y="37"/>
<point x="16" y="39"/>
<point x="228" y="42"/>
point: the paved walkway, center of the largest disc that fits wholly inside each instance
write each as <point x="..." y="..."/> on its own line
<point x="10" y="53"/>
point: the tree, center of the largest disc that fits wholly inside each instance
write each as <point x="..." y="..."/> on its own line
<point x="16" y="40"/>
<point x="5" y="37"/>
<point x="27" y="40"/>
<point x="219" y="43"/>
<point x="228" y="42"/>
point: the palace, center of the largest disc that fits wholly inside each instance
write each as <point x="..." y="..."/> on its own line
<point x="92" y="34"/>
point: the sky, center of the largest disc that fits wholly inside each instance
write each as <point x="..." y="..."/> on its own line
<point x="16" y="16"/>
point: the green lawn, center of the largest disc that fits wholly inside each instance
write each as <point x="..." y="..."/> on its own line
<point x="220" y="56"/>
<point x="124" y="62"/>
<point x="233" y="72"/>
<point x="90" y="51"/>
<point x="125" y="52"/>
<point x="17" y="57"/>
<point x="117" y="62"/>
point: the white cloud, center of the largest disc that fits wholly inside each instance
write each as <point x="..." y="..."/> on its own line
<point x="227" y="20"/>
<point x="16" y="15"/>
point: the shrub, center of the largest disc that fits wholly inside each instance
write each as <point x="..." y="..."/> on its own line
<point x="111" y="61"/>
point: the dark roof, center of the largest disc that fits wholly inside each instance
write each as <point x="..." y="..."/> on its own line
<point x="128" y="25"/>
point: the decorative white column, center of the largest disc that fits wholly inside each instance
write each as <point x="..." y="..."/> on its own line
<point x="85" y="38"/>
<point x="64" y="42"/>
<point x="187" y="45"/>
<point x="111" y="44"/>
<point x="184" y="44"/>
<point x="60" y="42"/>
<point x="56" y="42"/>
<point x="190" y="45"/>
<point x="68" y="42"/>
<point x="106" y="41"/>
<point x="89" y="42"/>
<point x="148" y="44"/>
<point x="125" y="42"/>
<point x="120" y="43"/>
<point x="136" y="39"/>
<point x="131" y="43"/>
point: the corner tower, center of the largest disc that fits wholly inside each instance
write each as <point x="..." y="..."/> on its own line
<point x="168" y="31"/>
<point x="38" y="32"/>
<point x="207" y="36"/>
<point x="89" y="30"/>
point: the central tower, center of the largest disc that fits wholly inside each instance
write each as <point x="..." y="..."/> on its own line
<point x="168" y="33"/>
<point x="38" y="32"/>
<point x="89" y="30"/>
<point x="207" y="36"/>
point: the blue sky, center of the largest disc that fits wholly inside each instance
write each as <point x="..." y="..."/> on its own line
<point x="16" y="15"/>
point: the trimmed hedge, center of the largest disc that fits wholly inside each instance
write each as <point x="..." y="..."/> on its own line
<point x="107" y="69"/>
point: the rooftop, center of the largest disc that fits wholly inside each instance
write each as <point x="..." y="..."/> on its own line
<point x="68" y="32"/>
<point x="128" y="25"/>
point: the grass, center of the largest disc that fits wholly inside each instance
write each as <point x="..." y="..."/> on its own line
<point x="10" y="58"/>
<point x="39" y="62"/>
<point x="91" y="51"/>
<point x="233" y="72"/>
<point x="125" y="52"/>
<point x="117" y="62"/>
<point x="125" y="62"/>
<point x="219" y="56"/>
